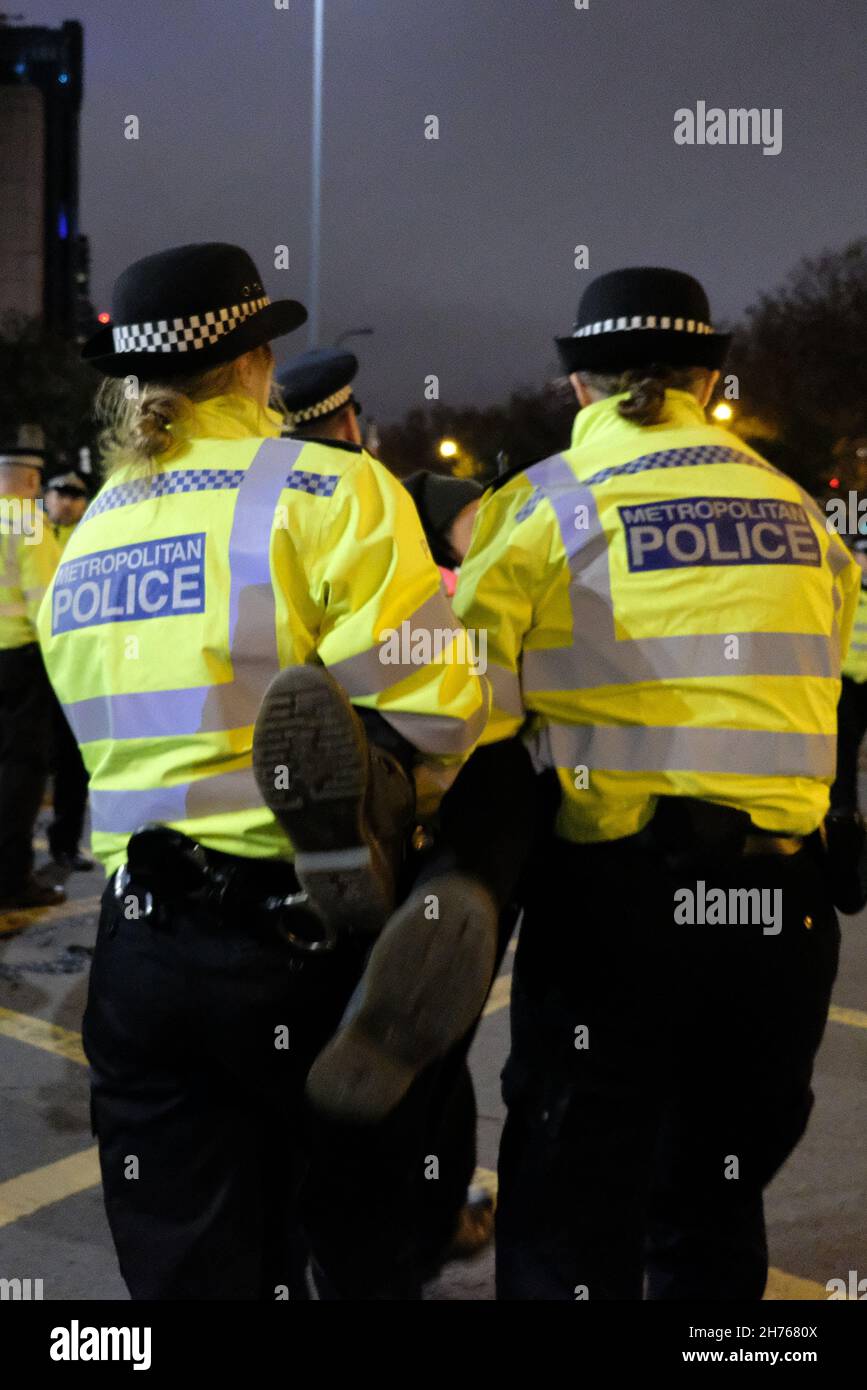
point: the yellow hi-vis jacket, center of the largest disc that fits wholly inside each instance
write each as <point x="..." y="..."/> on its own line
<point x="183" y="592"/>
<point x="63" y="533"/>
<point x="670" y="611"/>
<point x="29" y="555"/>
<point x="855" y="665"/>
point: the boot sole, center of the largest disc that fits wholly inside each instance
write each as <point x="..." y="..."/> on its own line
<point x="306" y="726"/>
<point x="425" y="985"/>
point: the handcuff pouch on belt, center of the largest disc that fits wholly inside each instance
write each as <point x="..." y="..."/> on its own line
<point x="165" y="866"/>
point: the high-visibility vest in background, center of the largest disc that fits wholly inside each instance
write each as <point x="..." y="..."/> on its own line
<point x="855" y="665"/>
<point x="186" y="588"/>
<point x="670" y="611"/>
<point x="62" y="533"/>
<point x="29" y="555"/>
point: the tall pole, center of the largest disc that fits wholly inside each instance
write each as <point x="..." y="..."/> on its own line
<point x="316" y="171"/>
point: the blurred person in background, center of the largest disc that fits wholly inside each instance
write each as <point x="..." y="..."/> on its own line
<point x="29" y="555"/>
<point x="447" y="508"/>
<point x="65" y="503"/>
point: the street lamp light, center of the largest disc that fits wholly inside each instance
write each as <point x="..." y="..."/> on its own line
<point x="723" y="411"/>
<point x="448" y="448"/>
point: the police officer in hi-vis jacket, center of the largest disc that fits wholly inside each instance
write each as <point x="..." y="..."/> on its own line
<point x="218" y="577"/>
<point x="666" y="616"/>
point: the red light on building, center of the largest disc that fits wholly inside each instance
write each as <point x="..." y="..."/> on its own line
<point x="833" y="482"/>
<point x="104" y="317"/>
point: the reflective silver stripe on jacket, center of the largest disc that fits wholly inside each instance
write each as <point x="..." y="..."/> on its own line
<point x="507" y="689"/>
<point x="438" y="734"/>
<point x="597" y="657"/>
<point x="235" y="703"/>
<point x="368" y="674"/>
<point x="692" y="656"/>
<point x="636" y="748"/>
<point x="252" y="631"/>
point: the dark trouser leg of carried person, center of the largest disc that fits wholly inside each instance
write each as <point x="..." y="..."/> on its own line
<point x="660" y="1070"/>
<point x="399" y="1186"/>
<point x="431" y="967"/>
<point x="430" y="972"/>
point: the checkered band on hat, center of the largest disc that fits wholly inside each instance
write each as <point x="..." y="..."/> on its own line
<point x="185" y="335"/>
<point x="312" y="412"/>
<point x="627" y="323"/>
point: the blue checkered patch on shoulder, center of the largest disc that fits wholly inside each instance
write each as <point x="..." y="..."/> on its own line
<point x="163" y="484"/>
<point x="690" y="457"/>
<point x="317" y="484"/>
<point x="530" y="505"/>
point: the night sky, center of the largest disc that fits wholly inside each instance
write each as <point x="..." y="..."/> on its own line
<point x="556" y="129"/>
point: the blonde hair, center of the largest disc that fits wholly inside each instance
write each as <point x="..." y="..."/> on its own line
<point x="647" y="387"/>
<point x="137" y="426"/>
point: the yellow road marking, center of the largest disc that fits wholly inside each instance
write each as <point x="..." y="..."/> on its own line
<point x="501" y="993"/>
<point x="788" y="1287"/>
<point x="76" y="911"/>
<point x="41" y="1187"/>
<point x="63" y="1042"/>
<point x="29" y="1192"/>
<point x="854" y="1017"/>
<point x="781" y="1287"/>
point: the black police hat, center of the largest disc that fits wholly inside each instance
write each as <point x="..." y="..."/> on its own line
<point x="188" y="309"/>
<point x="69" y="484"/>
<point x="317" y="384"/>
<point x="641" y="315"/>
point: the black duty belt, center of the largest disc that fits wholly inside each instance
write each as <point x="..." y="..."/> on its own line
<point x="165" y="867"/>
<point x="685" y="827"/>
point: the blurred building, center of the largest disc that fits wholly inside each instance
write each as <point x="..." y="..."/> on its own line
<point x="44" y="264"/>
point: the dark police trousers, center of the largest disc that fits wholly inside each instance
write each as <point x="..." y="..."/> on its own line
<point x="25" y="724"/>
<point x="639" y="1149"/>
<point x="217" y="1178"/>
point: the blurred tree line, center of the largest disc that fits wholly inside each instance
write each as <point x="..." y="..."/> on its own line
<point x="44" y="382"/>
<point x="799" y="360"/>
<point x="801" y="365"/>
